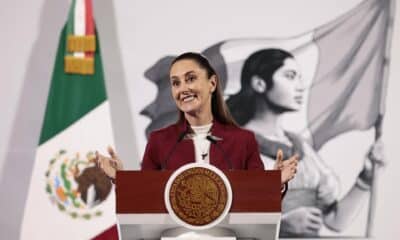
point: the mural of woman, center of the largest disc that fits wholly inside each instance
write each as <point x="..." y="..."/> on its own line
<point x="272" y="85"/>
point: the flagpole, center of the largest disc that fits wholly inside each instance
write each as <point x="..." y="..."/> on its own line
<point x="379" y="122"/>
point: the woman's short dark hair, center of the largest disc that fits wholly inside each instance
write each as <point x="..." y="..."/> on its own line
<point x="218" y="106"/>
<point x="263" y="64"/>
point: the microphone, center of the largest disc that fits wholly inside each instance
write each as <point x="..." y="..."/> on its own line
<point x="179" y="139"/>
<point x="214" y="140"/>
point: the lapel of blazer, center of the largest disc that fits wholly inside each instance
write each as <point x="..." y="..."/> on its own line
<point x="185" y="149"/>
<point x="217" y="157"/>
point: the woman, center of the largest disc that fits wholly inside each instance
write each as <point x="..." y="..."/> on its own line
<point x="205" y="131"/>
<point x="271" y="86"/>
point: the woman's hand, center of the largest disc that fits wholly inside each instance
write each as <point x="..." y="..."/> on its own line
<point x="374" y="159"/>
<point x="376" y="153"/>
<point x="288" y="167"/>
<point x="302" y="222"/>
<point x="109" y="165"/>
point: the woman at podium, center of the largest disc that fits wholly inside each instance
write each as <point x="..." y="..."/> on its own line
<point x="205" y="131"/>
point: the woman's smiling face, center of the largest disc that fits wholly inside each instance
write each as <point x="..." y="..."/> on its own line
<point x="191" y="87"/>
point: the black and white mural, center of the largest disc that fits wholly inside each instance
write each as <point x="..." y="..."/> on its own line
<point x="320" y="94"/>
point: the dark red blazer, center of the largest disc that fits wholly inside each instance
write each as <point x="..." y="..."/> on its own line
<point x="167" y="148"/>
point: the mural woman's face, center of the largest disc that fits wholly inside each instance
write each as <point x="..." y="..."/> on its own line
<point x="190" y="86"/>
<point x="288" y="87"/>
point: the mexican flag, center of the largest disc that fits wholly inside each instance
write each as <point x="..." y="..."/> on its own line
<point x="69" y="197"/>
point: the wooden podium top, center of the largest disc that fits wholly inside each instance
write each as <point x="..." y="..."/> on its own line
<point x="143" y="191"/>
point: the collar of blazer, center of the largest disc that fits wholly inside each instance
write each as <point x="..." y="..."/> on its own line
<point x="216" y="131"/>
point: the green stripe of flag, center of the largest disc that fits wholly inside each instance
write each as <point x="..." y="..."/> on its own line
<point x="71" y="96"/>
<point x="70" y="22"/>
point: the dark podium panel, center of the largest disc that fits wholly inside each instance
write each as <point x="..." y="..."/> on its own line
<point x="255" y="212"/>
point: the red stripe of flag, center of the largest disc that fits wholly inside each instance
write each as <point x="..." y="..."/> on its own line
<point x="89" y="22"/>
<point x="109" y="234"/>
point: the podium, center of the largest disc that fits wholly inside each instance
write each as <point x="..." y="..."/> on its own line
<point x="255" y="212"/>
